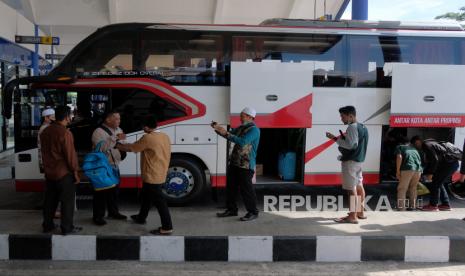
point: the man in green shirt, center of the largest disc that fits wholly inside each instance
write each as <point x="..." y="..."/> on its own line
<point x="408" y="164"/>
<point x="353" y="147"/>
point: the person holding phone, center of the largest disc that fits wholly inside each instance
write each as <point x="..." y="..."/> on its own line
<point x="241" y="164"/>
<point x="353" y="147"/>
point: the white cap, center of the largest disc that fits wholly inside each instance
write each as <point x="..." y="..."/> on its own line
<point x="48" y="112"/>
<point x="249" y="111"/>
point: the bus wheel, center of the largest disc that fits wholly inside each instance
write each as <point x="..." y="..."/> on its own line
<point x="185" y="181"/>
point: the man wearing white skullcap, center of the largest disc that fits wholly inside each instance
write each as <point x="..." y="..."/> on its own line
<point x="48" y="116"/>
<point x="241" y="165"/>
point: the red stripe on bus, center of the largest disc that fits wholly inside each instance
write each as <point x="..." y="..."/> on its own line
<point x="456" y="176"/>
<point x="427" y="120"/>
<point x="130" y="182"/>
<point x="33" y="185"/>
<point x="331" y="179"/>
<point x="309" y="155"/>
<point x="218" y="181"/>
<point x="38" y="185"/>
<point x="295" y="115"/>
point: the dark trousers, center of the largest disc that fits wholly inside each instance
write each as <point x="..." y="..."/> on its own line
<point x="441" y="177"/>
<point x="63" y="191"/>
<point x="240" y="179"/>
<point x="152" y="194"/>
<point x="105" y="199"/>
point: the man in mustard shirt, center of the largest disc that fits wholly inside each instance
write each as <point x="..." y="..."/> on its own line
<point x="155" y="149"/>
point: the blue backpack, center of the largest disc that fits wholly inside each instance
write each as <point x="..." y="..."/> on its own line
<point x="100" y="172"/>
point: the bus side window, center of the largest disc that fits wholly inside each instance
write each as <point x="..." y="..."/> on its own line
<point x="327" y="51"/>
<point x="184" y="57"/>
<point x="112" y="53"/>
<point x="365" y="61"/>
<point x="135" y="104"/>
<point x="29" y="104"/>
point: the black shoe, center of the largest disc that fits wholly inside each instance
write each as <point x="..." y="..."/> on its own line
<point x="99" y="221"/>
<point x="76" y="229"/>
<point x="47" y="230"/>
<point x="118" y="216"/>
<point x="249" y="216"/>
<point x="138" y="220"/>
<point x="227" y="213"/>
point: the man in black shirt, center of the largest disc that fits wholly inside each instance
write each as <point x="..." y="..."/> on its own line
<point x="438" y="169"/>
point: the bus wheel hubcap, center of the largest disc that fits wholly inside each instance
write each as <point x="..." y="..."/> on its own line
<point x="179" y="182"/>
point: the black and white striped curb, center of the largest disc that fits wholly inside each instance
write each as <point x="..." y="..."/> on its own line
<point x="234" y="248"/>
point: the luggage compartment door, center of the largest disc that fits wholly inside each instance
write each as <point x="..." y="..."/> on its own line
<point x="426" y="95"/>
<point x="280" y="92"/>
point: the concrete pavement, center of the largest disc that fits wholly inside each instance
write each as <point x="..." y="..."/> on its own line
<point x="201" y="221"/>
<point x="117" y="268"/>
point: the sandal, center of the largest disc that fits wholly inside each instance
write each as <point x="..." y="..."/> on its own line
<point x="345" y="220"/>
<point x="160" y="231"/>
<point x="359" y="216"/>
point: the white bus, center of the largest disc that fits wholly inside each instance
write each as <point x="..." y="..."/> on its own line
<point x="404" y="79"/>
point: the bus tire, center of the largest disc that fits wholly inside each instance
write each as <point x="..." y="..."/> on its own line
<point x="185" y="181"/>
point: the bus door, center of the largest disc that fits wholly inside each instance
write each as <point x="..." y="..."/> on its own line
<point x="28" y="104"/>
<point x="426" y="95"/>
<point x="281" y="93"/>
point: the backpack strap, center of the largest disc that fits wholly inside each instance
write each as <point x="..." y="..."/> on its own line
<point x="98" y="146"/>
<point x="107" y="130"/>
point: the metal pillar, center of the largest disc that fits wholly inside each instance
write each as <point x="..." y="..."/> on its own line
<point x="35" y="54"/>
<point x="359" y="9"/>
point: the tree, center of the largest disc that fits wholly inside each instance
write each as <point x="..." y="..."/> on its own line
<point x="458" y="16"/>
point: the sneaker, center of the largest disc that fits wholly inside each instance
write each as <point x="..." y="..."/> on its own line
<point x="99" y="221"/>
<point x="227" y="213"/>
<point x="161" y="231"/>
<point x="76" y="229"/>
<point x="118" y="216"/>
<point x="444" y="207"/>
<point x="430" y="208"/>
<point x="138" y="220"/>
<point x="249" y="217"/>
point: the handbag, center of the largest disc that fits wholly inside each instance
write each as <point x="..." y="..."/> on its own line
<point x="422" y="189"/>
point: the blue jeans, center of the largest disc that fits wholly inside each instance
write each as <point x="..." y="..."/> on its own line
<point x="441" y="177"/>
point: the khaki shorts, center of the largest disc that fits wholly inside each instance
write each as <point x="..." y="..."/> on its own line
<point x="351" y="174"/>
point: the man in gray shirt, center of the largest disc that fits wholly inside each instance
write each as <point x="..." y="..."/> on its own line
<point x="109" y="133"/>
<point x="353" y="147"/>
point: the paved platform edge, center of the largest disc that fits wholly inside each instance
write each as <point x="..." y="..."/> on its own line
<point x="233" y="248"/>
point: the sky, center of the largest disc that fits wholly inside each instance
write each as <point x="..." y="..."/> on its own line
<point x="407" y="10"/>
